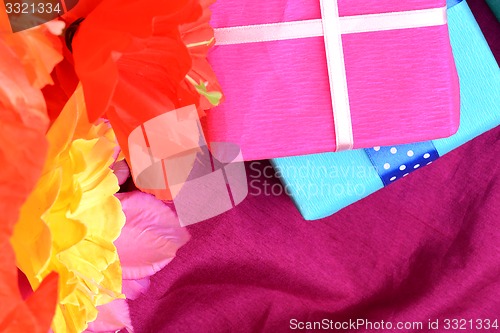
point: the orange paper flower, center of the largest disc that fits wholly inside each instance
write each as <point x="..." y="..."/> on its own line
<point x="23" y="147"/>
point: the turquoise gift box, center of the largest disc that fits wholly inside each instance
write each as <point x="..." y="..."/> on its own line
<point x="322" y="184"/>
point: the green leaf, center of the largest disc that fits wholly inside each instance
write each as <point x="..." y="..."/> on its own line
<point x="213" y="97"/>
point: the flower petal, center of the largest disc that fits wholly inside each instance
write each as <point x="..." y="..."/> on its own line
<point x="42" y="302"/>
<point x="23" y="149"/>
<point x="71" y="218"/>
<point x="112" y="317"/>
<point x="150" y="237"/>
<point x="134" y="288"/>
<point x="121" y="170"/>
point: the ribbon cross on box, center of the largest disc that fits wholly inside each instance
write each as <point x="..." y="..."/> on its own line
<point x="331" y="26"/>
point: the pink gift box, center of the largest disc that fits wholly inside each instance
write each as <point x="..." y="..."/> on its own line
<point x="402" y="84"/>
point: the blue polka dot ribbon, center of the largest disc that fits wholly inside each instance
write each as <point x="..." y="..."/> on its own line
<point x="395" y="162"/>
<point x="451" y="3"/>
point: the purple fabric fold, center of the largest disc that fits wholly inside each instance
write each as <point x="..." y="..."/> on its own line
<point x="427" y="247"/>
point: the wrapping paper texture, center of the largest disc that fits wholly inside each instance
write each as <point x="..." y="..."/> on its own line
<point x="277" y="94"/>
<point x="322" y="184"/>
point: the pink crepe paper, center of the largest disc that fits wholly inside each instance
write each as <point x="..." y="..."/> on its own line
<point x="402" y="84"/>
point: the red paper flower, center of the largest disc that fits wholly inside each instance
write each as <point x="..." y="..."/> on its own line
<point x="23" y="148"/>
<point x="134" y="65"/>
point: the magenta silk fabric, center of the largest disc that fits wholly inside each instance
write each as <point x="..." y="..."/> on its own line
<point x="425" y="248"/>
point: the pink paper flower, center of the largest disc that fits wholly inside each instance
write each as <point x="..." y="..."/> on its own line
<point x="121" y="170"/>
<point x="148" y="242"/>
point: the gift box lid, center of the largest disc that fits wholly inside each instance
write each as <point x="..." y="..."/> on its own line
<point x="401" y="83"/>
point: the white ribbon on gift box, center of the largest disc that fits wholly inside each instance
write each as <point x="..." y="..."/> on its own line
<point x="332" y="27"/>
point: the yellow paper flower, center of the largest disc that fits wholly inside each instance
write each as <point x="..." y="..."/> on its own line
<point x="69" y="222"/>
